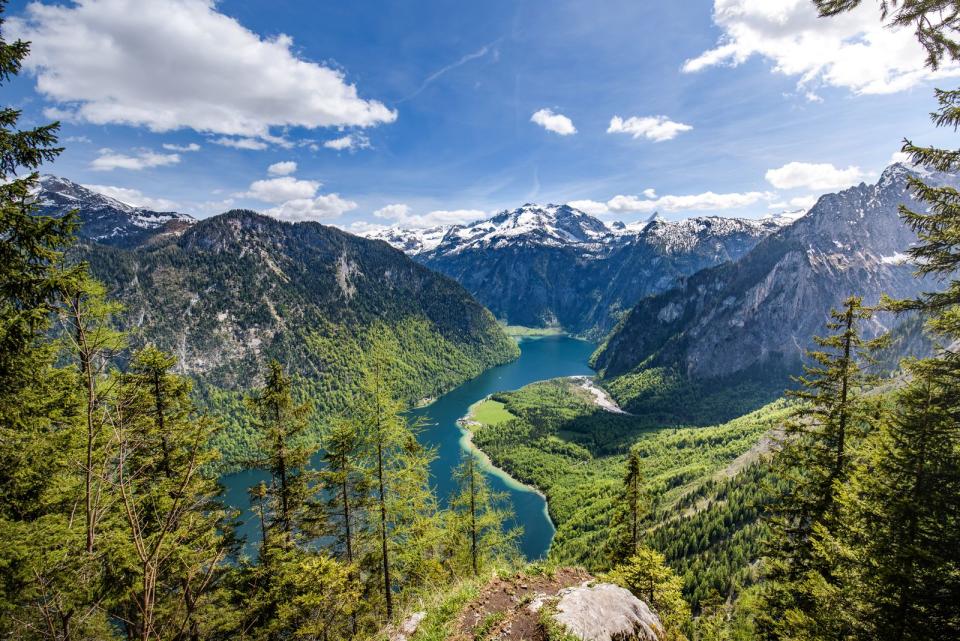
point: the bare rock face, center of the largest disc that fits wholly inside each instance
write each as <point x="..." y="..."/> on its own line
<point x="606" y="612"/>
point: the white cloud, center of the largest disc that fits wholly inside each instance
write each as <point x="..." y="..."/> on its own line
<point x="800" y="202"/>
<point x="900" y="157"/>
<point x="282" y="189"/>
<point x="655" y="128"/>
<point x="134" y="197"/>
<point x="591" y="207"/>
<point x="241" y="143"/>
<point x="320" y="207"/>
<point x="403" y="215"/>
<point x="650" y="193"/>
<point x="108" y="160"/>
<point x="170" y="64"/>
<point x="283" y="168"/>
<point x="854" y="50"/>
<point x="707" y="201"/>
<point x="813" y="176"/>
<point x="350" y="142"/>
<point x="557" y="123"/>
<point x="78" y="139"/>
<point x="185" y="148"/>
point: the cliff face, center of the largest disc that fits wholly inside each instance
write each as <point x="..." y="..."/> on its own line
<point x="763" y="310"/>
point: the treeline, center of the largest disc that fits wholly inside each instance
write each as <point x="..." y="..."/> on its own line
<point x="111" y="519"/>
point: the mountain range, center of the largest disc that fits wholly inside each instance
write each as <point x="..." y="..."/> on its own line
<point x="758" y="314"/>
<point x="557" y="266"/>
<point x="225" y="294"/>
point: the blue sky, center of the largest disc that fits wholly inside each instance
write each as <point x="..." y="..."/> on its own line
<point x="421" y="112"/>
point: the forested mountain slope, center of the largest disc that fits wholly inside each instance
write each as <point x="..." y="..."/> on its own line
<point x="228" y="293"/>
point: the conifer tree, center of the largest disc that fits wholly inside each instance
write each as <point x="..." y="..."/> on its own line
<point x="904" y="501"/>
<point x="404" y="507"/>
<point x="93" y="342"/>
<point x="903" y="516"/>
<point x="283" y="423"/>
<point x="648" y="576"/>
<point x="478" y="524"/>
<point x="178" y="532"/>
<point x="630" y="509"/>
<point x="815" y="461"/>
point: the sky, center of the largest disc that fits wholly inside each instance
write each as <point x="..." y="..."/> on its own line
<point x="426" y="112"/>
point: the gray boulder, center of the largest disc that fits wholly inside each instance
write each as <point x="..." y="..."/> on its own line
<point x="606" y="612"/>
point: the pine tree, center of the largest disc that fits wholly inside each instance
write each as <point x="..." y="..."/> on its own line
<point x="178" y="532"/>
<point x="904" y="501"/>
<point x="648" y="576"/>
<point x="815" y="461"/>
<point x="283" y="424"/>
<point x="404" y="507"/>
<point x="478" y="523"/>
<point x="630" y="510"/>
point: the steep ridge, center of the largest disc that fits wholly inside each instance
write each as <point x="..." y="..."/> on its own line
<point x="239" y="288"/>
<point x="760" y="313"/>
<point x="106" y="220"/>
<point x="554" y="265"/>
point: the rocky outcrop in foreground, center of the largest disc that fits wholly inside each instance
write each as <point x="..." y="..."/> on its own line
<point x="555" y="605"/>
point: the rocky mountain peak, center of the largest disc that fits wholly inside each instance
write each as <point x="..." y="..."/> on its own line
<point x="104" y="219"/>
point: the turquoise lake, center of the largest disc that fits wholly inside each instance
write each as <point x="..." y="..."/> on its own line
<point x="540" y="359"/>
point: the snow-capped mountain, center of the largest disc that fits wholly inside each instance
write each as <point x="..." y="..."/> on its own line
<point x="104" y="219"/>
<point x="757" y="315"/>
<point x="542" y="265"/>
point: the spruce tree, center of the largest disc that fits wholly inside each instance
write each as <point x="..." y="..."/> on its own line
<point x="904" y="502"/>
<point x="903" y="516"/>
<point x="815" y="461"/>
<point x="648" y="576"/>
<point x="630" y="510"/>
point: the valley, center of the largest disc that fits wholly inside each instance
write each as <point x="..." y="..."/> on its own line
<point x="509" y="321"/>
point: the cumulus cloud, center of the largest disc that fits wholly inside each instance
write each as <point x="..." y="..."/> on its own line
<point x="171" y="64"/>
<point x="813" y="176"/>
<point x="655" y="128"/>
<point x="350" y="142"/>
<point x="319" y="207"/>
<point x="854" y="51"/>
<point x="184" y="148"/>
<point x="134" y="197"/>
<point x="900" y="157"/>
<point x="557" y="123"/>
<point x="706" y="201"/>
<point x="283" y="168"/>
<point x="282" y="189"/>
<point x="108" y="160"/>
<point x="592" y="207"/>
<point x="241" y="143"/>
<point x="403" y="215"/>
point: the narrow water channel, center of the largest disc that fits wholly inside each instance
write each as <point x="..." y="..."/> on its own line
<point x="540" y="359"/>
